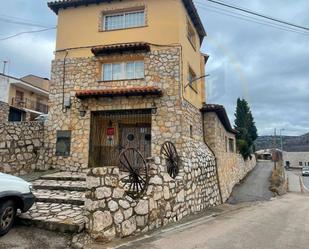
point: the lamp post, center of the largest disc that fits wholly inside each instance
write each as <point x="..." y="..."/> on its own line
<point x="195" y="79"/>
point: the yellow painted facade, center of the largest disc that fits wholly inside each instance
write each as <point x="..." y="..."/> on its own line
<point x="166" y="24"/>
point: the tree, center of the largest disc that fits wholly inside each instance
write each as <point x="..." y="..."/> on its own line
<point x="245" y="127"/>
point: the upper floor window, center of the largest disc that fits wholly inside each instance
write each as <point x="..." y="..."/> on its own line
<point x="123" y="70"/>
<point x="124" y="20"/>
<point x="191" y="34"/>
<point x="191" y="79"/>
<point x="231" y="145"/>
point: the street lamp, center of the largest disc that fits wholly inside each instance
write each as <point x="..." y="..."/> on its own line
<point x="195" y="79"/>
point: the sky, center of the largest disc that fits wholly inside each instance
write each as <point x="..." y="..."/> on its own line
<point x="267" y="66"/>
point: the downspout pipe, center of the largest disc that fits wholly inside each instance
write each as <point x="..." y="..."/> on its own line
<point x="63" y="80"/>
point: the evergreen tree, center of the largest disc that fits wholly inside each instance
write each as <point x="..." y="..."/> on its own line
<point x="245" y="126"/>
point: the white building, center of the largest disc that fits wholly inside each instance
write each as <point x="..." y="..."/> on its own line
<point x="296" y="159"/>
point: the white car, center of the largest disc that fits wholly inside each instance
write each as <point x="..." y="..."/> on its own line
<point x="15" y="193"/>
<point x="305" y="171"/>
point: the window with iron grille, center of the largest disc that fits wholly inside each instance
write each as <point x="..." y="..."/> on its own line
<point x="123" y="70"/>
<point x="63" y="144"/>
<point x="191" y="79"/>
<point x="191" y="34"/>
<point x="124" y="20"/>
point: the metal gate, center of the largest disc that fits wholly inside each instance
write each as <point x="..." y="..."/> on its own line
<point x="113" y="131"/>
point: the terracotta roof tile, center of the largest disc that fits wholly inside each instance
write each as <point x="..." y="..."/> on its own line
<point x="120" y="47"/>
<point x="116" y="92"/>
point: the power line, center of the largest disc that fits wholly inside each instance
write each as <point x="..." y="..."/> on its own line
<point x="26" y="32"/>
<point x="259" y="14"/>
<point x="250" y="19"/>
<point x="21" y="23"/>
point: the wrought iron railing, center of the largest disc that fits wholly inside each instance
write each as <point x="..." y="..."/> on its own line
<point x="29" y="104"/>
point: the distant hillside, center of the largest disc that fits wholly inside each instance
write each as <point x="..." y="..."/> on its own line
<point x="290" y="143"/>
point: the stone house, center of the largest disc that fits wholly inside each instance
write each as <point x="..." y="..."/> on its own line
<point x="128" y="127"/>
<point x="23" y="99"/>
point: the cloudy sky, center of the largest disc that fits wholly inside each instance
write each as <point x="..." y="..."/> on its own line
<point x="266" y="65"/>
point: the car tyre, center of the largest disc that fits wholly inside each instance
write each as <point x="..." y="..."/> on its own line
<point x="7" y="216"/>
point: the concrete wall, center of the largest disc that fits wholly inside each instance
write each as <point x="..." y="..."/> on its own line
<point x="231" y="166"/>
<point x="295" y="158"/>
<point x="4" y="89"/>
<point x="21" y="147"/>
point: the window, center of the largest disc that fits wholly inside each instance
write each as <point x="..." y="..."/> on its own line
<point x="231" y="145"/>
<point x="300" y="163"/>
<point x="191" y="34"/>
<point x="123" y="70"/>
<point x="191" y="78"/>
<point x="63" y="144"/>
<point x="124" y="20"/>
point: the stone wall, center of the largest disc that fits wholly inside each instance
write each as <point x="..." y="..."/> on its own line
<point x="112" y="213"/>
<point x="231" y="166"/>
<point x="21" y="147"/>
<point x="4" y="112"/>
<point x="162" y="69"/>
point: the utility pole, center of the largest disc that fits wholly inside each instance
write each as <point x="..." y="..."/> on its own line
<point x="281" y="140"/>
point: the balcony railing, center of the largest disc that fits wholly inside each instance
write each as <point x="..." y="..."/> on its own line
<point x="30" y="104"/>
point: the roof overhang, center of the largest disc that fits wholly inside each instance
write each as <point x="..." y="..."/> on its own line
<point x="120" y="48"/>
<point x="120" y="92"/>
<point x="189" y="5"/>
<point x="28" y="87"/>
<point x="222" y="115"/>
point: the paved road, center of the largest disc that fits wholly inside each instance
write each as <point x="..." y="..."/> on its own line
<point x="282" y="223"/>
<point x="306" y="181"/>
<point x="21" y="237"/>
<point x="255" y="187"/>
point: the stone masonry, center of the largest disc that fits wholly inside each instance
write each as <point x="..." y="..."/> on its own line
<point x="21" y="147"/>
<point x="4" y="112"/>
<point x="162" y="69"/>
<point x="112" y="213"/>
<point x="231" y="166"/>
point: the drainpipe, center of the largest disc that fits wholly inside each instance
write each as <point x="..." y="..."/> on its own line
<point x="63" y="81"/>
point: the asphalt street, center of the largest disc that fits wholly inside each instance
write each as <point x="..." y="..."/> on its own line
<point x="255" y="187"/>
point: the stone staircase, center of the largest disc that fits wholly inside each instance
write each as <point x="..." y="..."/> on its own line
<point x="59" y="202"/>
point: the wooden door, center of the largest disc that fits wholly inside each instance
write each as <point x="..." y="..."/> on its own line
<point x="138" y="137"/>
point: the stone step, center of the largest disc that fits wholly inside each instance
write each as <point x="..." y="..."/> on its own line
<point x="59" y="185"/>
<point x="59" y="196"/>
<point x="65" y="176"/>
<point x="66" y="218"/>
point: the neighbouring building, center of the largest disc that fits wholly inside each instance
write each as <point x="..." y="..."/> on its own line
<point x="221" y="138"/>
<point x="296" y="159"/>
<point x="23" y="99"/>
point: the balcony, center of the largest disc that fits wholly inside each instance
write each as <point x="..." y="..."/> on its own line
<point x="30" y="104"/>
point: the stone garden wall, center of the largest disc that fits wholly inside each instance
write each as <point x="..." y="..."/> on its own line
<point x="112" y="213"/>
<point x="231" y="166"/>
<point x="21" y="147"/>
<point x="4" y="112"/>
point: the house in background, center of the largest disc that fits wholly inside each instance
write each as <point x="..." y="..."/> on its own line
<point x="23" y="99"/>
<point x="296" y="159"/>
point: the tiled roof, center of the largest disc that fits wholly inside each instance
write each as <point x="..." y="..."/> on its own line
<point x="222" y="115"/>
<point x="121" y="47"/>
<point x="189" y="5"/>
<point x="116" y="92"/>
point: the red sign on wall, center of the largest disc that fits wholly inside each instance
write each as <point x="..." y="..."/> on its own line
<point x="110" y="131"/>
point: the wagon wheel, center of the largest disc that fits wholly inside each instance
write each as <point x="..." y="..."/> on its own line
<point x="134" y="167"/>
<point x="169" y="152"/>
